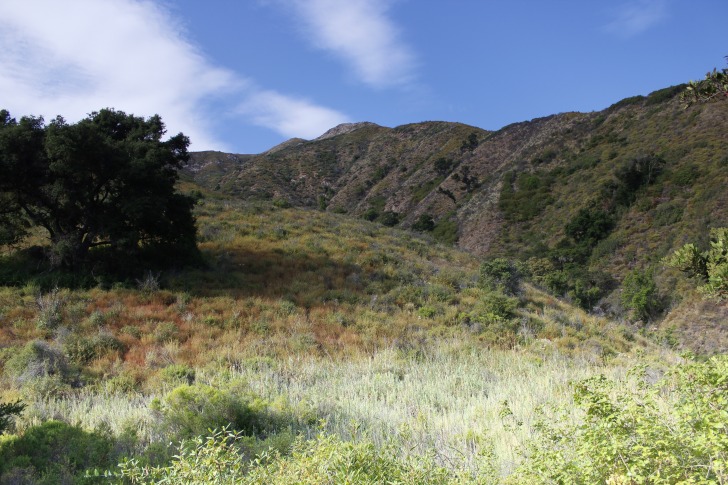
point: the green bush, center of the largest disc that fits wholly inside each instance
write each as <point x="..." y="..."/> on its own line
<point x="83" y="350"/>
<point x="192" y="410"/>
<point x="709" y="267"/>
<point x="166" y="332"/>
<point x="499" y="274"/>
<point x="50" y="309"/>
<point x="54" y="452"/>
<point x="323" y="460"/>
<point x="673" y="431"/>
<point x="7" y="411"/>
<point x="424" y="223"/>
<point x="665" y="94"/>
<point x="668" y="213"/>
<point x="494" y="307"/>
<point x="446" y="230"/>
<point x="685" y="175"/>
<point x="529" y="197"/>
<point x="444" y="166"/>
<point x="389" y="218"/>
<point x="281" y="203"/>
<point x="589" y="226"/>
<point x="178" y="373"/>
<point x="371" y="214"/>
<point x="37" y="359"/>
<point x="640" y="295"/>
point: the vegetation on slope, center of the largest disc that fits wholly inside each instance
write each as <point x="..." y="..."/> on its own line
<point x="589" y="203"/>
<point x="313" y="346"/>
<point x="293" y="308"/>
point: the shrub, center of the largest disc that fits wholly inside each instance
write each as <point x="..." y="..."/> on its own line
<point x="710" y="267"/>
<point x="500" y="274"/>
<point x="192" y="410"/>
<point x="471" y="143"/>
<point x="666" y="94"/>
<point x="673" y="431"/>
<point x="166" y="332"/>
<point x="281" y="203"/>
<point x="424" y="223"/>
<point x="443" y="166"/>
<point x="7" y="411"/>
<point x="685" y="175"/>
<point x="714" y="86"/>
<point x="627" y="102"/>
<point x="532" y="193"/>
<point x="639" y="294"/>
<point x="389" y="218"/>
<point x="327" y="459"/>
<point x="446" y="230"/>
<point x="50" y="309"/>
<point x="178" y="372"/>
<point x="589" y="226"/>
<point x="371" y="214"/>
<point x="215" y="459"/>
<point x="56" y="451"/>
<point x="37" y="359"/>
<point x="494" y="307"/>
<point x="667" y="214"/>
<point x="83" y="350"/>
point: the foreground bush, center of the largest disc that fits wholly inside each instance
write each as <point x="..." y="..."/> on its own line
<point x="674" y="431"/>
<point x="191" y="410"/>
<point x="323" y="460"/>
<point x="52" y="453"/>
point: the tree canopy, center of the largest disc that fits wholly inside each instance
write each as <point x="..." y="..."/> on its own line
<point x="106" y="181"/>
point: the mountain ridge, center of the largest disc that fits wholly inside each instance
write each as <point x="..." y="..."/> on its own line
<point x="513" y="192"/>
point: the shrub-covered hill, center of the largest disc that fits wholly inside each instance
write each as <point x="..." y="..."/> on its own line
<point x="299" y="316"/>
<point x="599" y="195"/>
<point x="288" y="280"/>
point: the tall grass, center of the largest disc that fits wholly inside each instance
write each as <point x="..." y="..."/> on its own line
<point x="447" y="400"/>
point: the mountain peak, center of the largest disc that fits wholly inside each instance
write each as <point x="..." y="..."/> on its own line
<point x="345" y="128"/>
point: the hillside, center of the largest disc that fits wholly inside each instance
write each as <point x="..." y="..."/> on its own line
<point x="297" y="320"/>
<point x="320" y="344"/>
<point x="655" y="171"/>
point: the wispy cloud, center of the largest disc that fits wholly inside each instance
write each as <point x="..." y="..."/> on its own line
<point x="637" y="16"/>
<point x="361" y="34"/>
<point x="290" y="116"/>
<point x="71" y="58"/>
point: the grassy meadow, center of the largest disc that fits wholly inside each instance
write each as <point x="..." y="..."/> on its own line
<point x="325" y="349"/>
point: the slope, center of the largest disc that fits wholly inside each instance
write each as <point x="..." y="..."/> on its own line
<point x="650" y="171"/>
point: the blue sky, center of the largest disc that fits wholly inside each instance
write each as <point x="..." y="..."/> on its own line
<point x="243" y="76"/>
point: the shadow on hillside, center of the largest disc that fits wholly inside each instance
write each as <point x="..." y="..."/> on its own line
<point x="103" y="268"/>
<point x="301" y="277"/>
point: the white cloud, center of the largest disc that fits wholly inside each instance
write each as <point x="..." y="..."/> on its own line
<point x="636" y="17"/>
<point x="75" y="57"/>
<point x="78" y="56"/>
<point x="360" y="33"/>
<point x="292" y="117"/>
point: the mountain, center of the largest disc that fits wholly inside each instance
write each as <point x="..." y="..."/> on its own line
<point x="598" y="195"/>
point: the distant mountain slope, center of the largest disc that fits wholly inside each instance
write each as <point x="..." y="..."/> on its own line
<point x="362" y="167"/>
<point x="655" y="172"/>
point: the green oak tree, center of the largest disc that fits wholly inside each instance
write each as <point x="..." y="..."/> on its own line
<point x="106" y="181"/>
